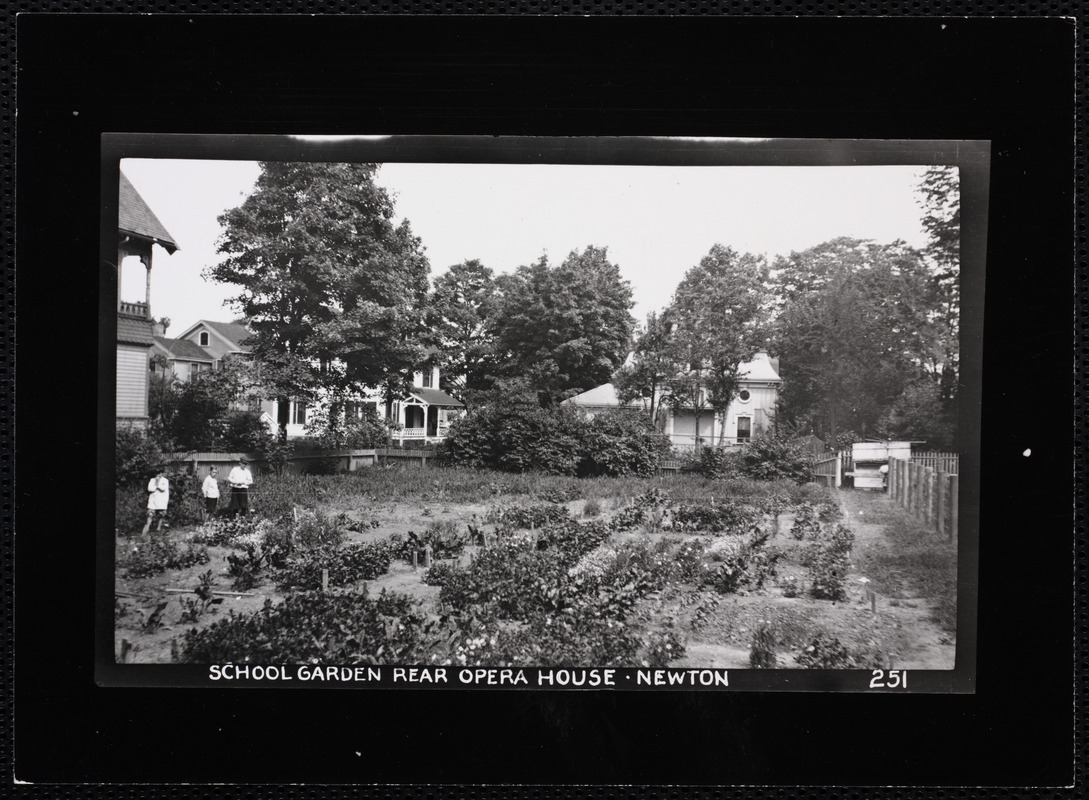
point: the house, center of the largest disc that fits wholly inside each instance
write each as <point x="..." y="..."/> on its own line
<point x="178" y="357"/>
<point x="425" y="412"/>
<point x="422" y="415"/>
<point x="750" y="413"/>
<point x="138" y="232"/>
<point x="219" y="339"/>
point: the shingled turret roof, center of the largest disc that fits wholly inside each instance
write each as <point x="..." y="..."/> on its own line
<point x="135" y="218"/>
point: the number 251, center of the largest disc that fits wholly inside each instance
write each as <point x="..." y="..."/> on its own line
<point x="897" y="679"/>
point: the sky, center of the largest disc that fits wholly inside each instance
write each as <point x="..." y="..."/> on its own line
<point x="656" y="221"/>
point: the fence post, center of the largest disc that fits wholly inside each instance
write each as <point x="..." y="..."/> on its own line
<point x="954" y="506"/>
<point x="839" y="473"/>
<point x="930" y="476"/>
<point x="907" y="487"/>
<point x="943" y="499"/>
<point x="920" y="496"/>
<point x="913" y="498"/>
<point x="894" y="478"/>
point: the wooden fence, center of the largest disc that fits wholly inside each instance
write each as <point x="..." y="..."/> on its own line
<point x="296" y="463"/>
<point x="828" y="470"/>
<point x="941" y="462"/>
<point x="405" y="455"/>
<point x="931" y="496"/>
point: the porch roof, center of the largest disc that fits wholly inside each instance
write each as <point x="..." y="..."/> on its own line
<point x="435" y="397"/>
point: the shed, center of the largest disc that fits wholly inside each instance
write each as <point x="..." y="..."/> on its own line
<point x="869" y="457"/>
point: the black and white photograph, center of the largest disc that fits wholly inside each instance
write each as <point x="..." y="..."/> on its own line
<point x="453" y="418"/>
<point x="412" y="403"/>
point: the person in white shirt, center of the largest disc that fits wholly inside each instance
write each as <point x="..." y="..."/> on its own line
<point x="240" y="481"/>
<point x="210" y="490"/>
<point x="158" y="498"/>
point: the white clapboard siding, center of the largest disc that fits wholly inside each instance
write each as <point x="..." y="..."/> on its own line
<point x="132" y="370"/>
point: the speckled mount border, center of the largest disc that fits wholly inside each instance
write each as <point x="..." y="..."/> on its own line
<point x="8" y="53"/>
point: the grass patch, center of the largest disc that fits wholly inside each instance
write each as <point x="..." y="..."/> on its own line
<point x="915" y="563"/>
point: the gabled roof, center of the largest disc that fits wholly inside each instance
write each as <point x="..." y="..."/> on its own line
<point x="435" y="397"/>
<point x="603" y="396"/>
<point x="136" y="218"/>
<point x="234" y="333"/>
<point x="132" y="330"/>
<point x="183" y="349"/>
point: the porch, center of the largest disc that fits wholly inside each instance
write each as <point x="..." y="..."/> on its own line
<point x="424" y="417"/>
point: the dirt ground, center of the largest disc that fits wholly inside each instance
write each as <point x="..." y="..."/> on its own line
<point x="894" y="628"/>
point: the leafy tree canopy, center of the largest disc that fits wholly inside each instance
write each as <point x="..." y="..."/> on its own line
<point x="566" y="328"/>
<point x="324" y="272"/>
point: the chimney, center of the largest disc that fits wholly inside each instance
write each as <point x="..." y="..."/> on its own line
<point x="158" y="329"/>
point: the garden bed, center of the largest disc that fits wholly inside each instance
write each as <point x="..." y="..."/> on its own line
<point x="527" y="570"/>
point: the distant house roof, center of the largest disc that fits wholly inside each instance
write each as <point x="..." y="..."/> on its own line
<point x="603" y="396"/>
<point x="435" y="397"/>
<point x="759" y="369"/>
<point x="234" y="332"/>
<point x="183" y="349"/>
<point x="133" y="330"/>
<point x="136" y="218"/>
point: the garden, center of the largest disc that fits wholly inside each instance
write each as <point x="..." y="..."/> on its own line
<point x="475" y="567"/>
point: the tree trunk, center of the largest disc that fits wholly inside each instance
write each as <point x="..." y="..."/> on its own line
<point x="283" y="416"/>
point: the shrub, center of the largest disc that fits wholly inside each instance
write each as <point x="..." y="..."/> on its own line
<point x="515" y="437"/>
<point x="591" y="508"/>
<point x="347" y="431"/>
<point x="346" y="565"/>
<point x="628" y="518"/>
<point x="512" y="579"/>
<point x="319" y="627"/>
<point x="525" y="517"/>
<point x="443" y="536"/>
<point x="621" y="442"/>
<point x="716" y="462"/>
<point x="135" y="459"/>
<point x="559" y="494"/>
<point x="159" y="555"/>
<point x="762" y="652"/>
<point x="825" y="652"/>
<point x="719" y="518"/>
<point x="245" y="567"/>
<point x="312" y="529"/>
<point x="828" y="563"/>
<point x="232" y="532"/>
<point x="769" y="458"/>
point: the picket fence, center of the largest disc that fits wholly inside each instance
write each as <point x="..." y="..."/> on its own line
<point x="932" y="496"/>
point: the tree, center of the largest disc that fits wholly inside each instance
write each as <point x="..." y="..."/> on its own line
<point x="940" y="202"/>
<point x="462" y="317"/>
<point x="566" y="328"/>
<point x="651" y="366"/>
<point x="210" y="411"/>
<point x="324" y="272"/>
<point x="853" y="331"/>
<point x="718" y="321"/>
<point x="919" y="414"/>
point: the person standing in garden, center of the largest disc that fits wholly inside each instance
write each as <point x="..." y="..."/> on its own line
<point x="210" y="490"/>
<point x="158" y="498"/>
<point x="240" y="480"/>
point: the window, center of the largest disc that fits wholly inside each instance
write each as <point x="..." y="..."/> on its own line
<point x="744" y="395"/>
<point x="427" y="376"/>
<point x="298" y="412"/>
<point x="204" y="339"/>
<point x="744" y="429"/>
